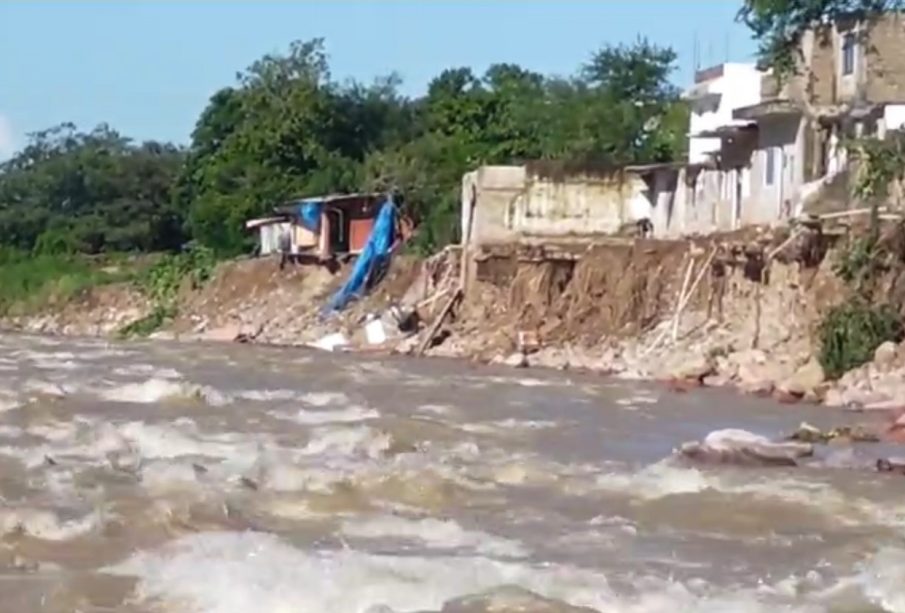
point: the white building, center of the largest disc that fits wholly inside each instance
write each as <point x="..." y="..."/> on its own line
<point x="716" y="94"/>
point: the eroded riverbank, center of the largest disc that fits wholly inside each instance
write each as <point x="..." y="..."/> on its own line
<point x="223" y="478"/>
<point x="742" y="310"/>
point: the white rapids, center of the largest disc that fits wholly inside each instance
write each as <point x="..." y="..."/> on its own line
<point x="157" y="477"/>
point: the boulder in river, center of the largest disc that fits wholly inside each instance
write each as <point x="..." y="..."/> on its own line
<point x="891" y="465"/>
<point x="745" y="448"/>
<point x="806" y="380"/>
<point x="692" y="367"/>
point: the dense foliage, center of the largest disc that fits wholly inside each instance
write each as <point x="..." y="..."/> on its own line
<point x="163" y="281"/>
<point x="75" y="192"/>
<point x="286" y="128"/>
<point x="852" y="331"/>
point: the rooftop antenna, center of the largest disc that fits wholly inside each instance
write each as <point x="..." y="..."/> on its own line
<point x="697" y="57"/>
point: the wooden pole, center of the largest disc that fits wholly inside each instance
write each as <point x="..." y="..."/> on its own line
<point x="663" y="332"/>
<point x="679" y="304"/>
<point x="694" y="287"/>
<point x="435" y="327"/>
<point x="784" y="244"/>
<point x="757" y="306"/>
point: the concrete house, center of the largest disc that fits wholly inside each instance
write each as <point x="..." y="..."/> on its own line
<point x="758" y="150"/>
<point x="716" y="94"/>
<point x="712" y="188"/>
<point x="850" y="82"/>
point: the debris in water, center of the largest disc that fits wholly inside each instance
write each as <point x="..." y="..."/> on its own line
<point x="810" y="434"/>
<point x="889" y="465"/>
<point x="375" y="332"/>
<point x="745" y="448"/>
<point x="331" y="342"/>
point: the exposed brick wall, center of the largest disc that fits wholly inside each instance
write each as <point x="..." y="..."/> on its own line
<point x="885" y="60"/>
<point x="769" y="87"/>
<point x="823" y="68"/>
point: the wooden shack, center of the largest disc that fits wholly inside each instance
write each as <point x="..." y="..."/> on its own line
<point x="344" y="225"/>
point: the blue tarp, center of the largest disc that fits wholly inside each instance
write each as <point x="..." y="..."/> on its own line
<point x="373" y="257"/>
<point x="309" y="212"/>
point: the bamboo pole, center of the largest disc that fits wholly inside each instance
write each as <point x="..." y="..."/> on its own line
<point x="784" y="244"/>
<point x="662" y="334"/>
<point x="675" y="321"/>
<point x="697" y="282"/>
<point x="432" y="332"/>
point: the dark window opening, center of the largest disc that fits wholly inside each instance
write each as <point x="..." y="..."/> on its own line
<point x="849" y="45"/>
<point x="771" y="166"/>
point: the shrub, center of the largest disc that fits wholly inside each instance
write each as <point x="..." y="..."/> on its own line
<point x="148" y="324"/>
<point x="852" y="331"/>
<point x="854" y="263"/>
<point x="162" y="282"/>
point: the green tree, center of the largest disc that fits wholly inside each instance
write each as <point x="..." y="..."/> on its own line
<point x="90" y="192"/>
<point x="287" y="129"/>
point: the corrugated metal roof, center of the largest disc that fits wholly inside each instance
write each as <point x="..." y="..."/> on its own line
<point x="263" y="221"/>
<point x="288" y="207"/>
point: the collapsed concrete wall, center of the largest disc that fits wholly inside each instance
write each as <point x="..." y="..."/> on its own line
<point x="545" y="203"/>
<point x="506" y="204"/>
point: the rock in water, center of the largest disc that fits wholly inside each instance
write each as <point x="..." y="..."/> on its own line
<point x="692" y="368"/>
<point x="745" y="448"/>
<point x="805" y="381"/>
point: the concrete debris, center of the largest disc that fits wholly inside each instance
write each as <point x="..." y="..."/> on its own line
<point x="331" y="342"/>
<point x="375" y="332"/>
<point x="807" y="433"/>
<point x="744" y="448"/>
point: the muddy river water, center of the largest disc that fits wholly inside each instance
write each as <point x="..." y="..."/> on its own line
<point x="239" y="479"/>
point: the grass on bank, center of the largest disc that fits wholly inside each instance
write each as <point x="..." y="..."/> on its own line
<point x="29" y="283"/>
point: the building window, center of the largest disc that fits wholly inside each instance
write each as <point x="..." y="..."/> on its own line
<point x="770" y="166"/>
<point x="849" y="46"/>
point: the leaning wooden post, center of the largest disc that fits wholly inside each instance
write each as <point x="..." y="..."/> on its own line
<point x="680" y="303"/>
<point x="757" y="307"/>
<point x="435" y="327"/>
<point x="694" y="287"/>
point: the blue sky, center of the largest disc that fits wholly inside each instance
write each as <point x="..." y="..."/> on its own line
<point x="147" y="68"/>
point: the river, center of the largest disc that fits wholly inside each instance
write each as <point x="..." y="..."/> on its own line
<point x="171" y="477"/>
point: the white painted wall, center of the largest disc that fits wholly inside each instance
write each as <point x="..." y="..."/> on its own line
<point x="785" y="136"/>
<point x="739" y="86"/>
<point x="894" y="116"/>
<point x="270" y="237"/>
